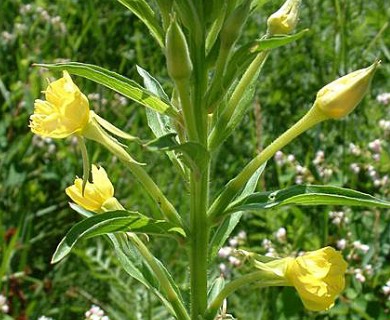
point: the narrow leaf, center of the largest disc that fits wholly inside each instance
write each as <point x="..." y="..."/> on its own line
<point x="277" y="41"/>
<point x="145" y="13"/>
<point x="116" y="82"/>
<point x="111" y="222"/>
<point x="223" y="232"/>
<point x="311" y="195"/>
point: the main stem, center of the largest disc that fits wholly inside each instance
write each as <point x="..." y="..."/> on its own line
<point x="199" y="184"/>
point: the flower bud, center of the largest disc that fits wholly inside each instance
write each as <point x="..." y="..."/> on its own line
<point x="338" y="98"/>
<point x="232" y="27"/>
<point x="178" y="57"/>
<point x="285" y="19"/>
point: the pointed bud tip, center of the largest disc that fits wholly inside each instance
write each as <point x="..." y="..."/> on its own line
<point x="340" y="97"/>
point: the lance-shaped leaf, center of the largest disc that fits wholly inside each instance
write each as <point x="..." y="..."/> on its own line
<point x="111" y="222"/>
<point x="116" y="82"/>
<point x="311" y="195"/>
<point x="160" y="124"/>
<point x="276" y="41"/>
<point x="145" y="13"/>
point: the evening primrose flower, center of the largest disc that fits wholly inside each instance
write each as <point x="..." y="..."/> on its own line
<point x="318" y="276"/>
<point x="97" y="194"/>
<point x="340" y="97"/>
<point x="65" y="111"/>
<point x="285" y="19"/>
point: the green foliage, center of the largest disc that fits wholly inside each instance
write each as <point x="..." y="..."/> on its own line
<point x="34" y="211"/>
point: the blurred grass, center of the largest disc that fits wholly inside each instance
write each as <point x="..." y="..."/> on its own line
<point x="345" y="35"/>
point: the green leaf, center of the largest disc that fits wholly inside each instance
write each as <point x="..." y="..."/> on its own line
<point x="193" y="153"/>
<point x="223" y="232"/>
<point x="216" y="287"/>
<point x="277" y="41"/>
<point x="145" y="13"/>
<point x="160" y="124"/>
<point x="251" y="185"/>
<point x="116" y="82"/>
<point x="111" y="222"/>
<point x="311" y="195"/>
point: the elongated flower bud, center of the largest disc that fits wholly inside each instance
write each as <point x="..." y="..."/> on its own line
<point x="178" y="57"/>
<point x="340" y="97"/>
<point x="232" y="27"/>
<point x="285" y="19"/>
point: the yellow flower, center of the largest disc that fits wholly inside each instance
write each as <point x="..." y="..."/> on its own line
<point x="340" y="97"/>
<point x="96" y="194"/>
<point x="285" y="19"/>
<point x="65" y="111"/>
<point x="318" y="276"/>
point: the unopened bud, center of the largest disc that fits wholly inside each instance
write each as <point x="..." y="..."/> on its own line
<point x="178" y="57"/>
<point x="232" y="27"/>
<point x="338" y="98"/>
<point x="285" y="19"/>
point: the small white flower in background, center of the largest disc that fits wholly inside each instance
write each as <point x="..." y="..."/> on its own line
<point x="354" y="149"/>
<point x="376" y="157"/>
<point x="338" y="217"/>
<point x="375" y="145"/>
<point x="234" y="261"/>
<point x="300" y="169"/>
<point x="224" y="252"/>
<point x="290" y="158"/>
<point x="233" y="242"/>
<point x="368" y="269"/>
<point x="95" y="313"/>
<point x="279" y="158"/>
<point x="386" y="288"/>
<point x="242" y="235"/>
<point x="4" y="308"/>
<point x="355" y="168"/>
<point x="320" y="157"/>
<point x="267" y="244"/>
<point x="326" y="172"/>
<point x="341" y="244"/>
<point x="281" y="235"/>
<point x="363" y="247"/>
<point x="383" y="98"/>
<point x="359" y="275"/>
<point x="44" y="318"/>
<point x="271" y="253"/>
<point x="298" y="179"/>
<point x="384" y="124"/>
<point x="25" y="9"/>
<point x="223" y="268"/>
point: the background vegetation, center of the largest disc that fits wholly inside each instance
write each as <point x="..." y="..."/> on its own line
<point x="34" y="213"/>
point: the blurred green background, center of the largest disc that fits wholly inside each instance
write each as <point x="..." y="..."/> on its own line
<point x="34" y="213"/>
